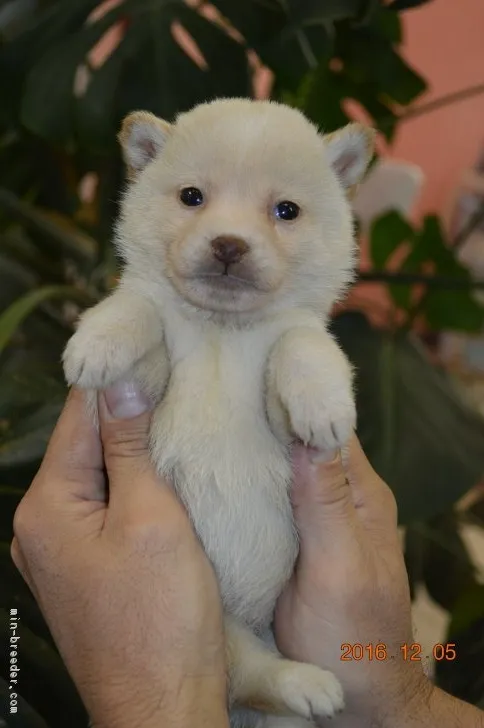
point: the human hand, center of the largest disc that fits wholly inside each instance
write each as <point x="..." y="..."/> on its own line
<point x="350" y="587"/>
<point x="125" y="587"/>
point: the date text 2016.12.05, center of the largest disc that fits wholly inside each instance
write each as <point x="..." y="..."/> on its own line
<point x="408" y="652"/>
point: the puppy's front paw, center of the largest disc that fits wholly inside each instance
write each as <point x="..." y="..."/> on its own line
<point x="322" y="418"/>
<point x="94" y="360"/>
<point x="310" y="692"/>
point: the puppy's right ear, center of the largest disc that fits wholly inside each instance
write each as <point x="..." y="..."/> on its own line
<point x="142" y="137"/>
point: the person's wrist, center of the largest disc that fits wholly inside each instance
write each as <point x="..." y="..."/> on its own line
<point x="412" y="707"/>
<point x="193" y="701"/>
<point x="201" y="702"/>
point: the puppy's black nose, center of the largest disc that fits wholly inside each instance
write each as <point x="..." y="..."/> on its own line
<point x="229" y="249"/>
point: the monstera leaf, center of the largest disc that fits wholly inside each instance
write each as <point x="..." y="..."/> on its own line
<point x="145" y="68"/>
<point x="46" y="59"/>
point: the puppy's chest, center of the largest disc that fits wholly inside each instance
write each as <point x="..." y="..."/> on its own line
<point x="211" y="436"/>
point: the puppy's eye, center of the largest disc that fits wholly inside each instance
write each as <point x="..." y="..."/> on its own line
<point x="286" y="210"/>
<point x="191" y="196"/>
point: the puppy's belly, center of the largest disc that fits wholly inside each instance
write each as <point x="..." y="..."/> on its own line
<point x="233" y="476"/>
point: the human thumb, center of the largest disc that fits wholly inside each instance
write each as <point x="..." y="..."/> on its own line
<point x="137" y="493"/>
<point x="323" y="507"/>
<point x="124" y="417"/>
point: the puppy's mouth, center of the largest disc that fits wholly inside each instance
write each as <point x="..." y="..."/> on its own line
<point x="219" y="277"/>
<point x="227" y="281"/>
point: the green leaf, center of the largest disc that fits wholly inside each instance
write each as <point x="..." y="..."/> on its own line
<point x="384" y="118"/>
<point x="444" y="309"/>
<point x="322" y="94"/>
<point x="30" y="171"/>
<point x="399" y="81"/>
<point x="15" y="280"/>
<point x="95" y="110"/>
<point x="387" y="233"/>
<point x="258" y="22"/>
<point x="26" y="442"/>
<point x="402" y="294"/>
<point x="418" y="434"/>
<point x="447" y="309"/>
<point x="52" y="78"/>
<point x="15" y="314"/>
<point x="434" y="247"/>
<point x="45" y="414"/>
<point x="226" y="58"/>
<point x="448" y="570"/>
<point x="19" y="248"/>
<point x="159" y="64"/>
<point x="453" y="310"/>
<point x="27" y="386"/>
<point x="298" y="50"/>
<point x="100" y="109"/>
<point x="464" y="677"/>
<point x="302" y="11"/>
<point x="468" y="609"/>
<point x="400" y="5"/>
<point x="57" y="239"/>
<point x="367" y="13"/>
<point x="46" y="26"/>
<point x="388" y="23"/>
<point x="368" y="57"/>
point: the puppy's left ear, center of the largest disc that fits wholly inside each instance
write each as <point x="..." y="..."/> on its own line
<point x="349" y="151"/>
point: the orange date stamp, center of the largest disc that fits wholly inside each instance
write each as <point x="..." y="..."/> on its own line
<point x="408" y="652"/>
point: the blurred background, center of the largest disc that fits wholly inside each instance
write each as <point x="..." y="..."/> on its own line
<point x="413" y="324"/>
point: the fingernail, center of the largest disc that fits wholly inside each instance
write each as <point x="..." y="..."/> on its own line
<point x="324" y="456"/>
<point x="125" y="400"/>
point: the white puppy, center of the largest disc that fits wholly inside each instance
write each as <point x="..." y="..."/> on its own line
<point x="237" y="238"/>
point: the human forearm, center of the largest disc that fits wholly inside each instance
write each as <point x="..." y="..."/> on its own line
<point x="430" y="707"/>
<point x="203" y="705"/>
<point x="436" y="709"/>
<point x="445" y="711"/>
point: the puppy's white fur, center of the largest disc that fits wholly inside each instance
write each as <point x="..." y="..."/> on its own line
<point x="238" y="365"/>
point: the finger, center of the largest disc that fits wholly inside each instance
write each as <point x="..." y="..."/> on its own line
<point x="322" y="501"/>
<point x="373" y="498"/>
<point x="360" y="468"/>
<point x="73" y="463"/>
<point x="125" y="418"/>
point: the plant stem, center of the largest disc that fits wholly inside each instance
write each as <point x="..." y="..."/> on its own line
<point x="409" y="279"/>
<point x="441" y="102"/>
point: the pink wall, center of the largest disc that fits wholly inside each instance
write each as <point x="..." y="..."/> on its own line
<point x="444" y="41"/>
